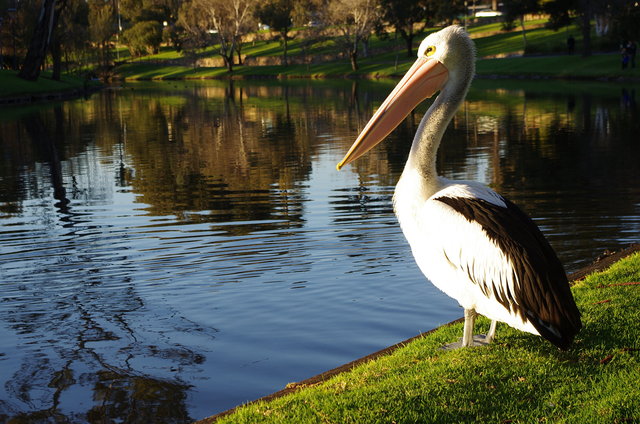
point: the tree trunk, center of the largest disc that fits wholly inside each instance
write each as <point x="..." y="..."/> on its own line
<point x="365" y="47"/>
<point x="285" y="62"/>
<point x="239" y="56"/>
<point x="40" y="40"/>
<point x="353" y="56"/>
<point x="408" y="39"/>
<point x="56" y="55"/>
<point x="228" y="62"/>
<point x="524" y="35"/>
<point x="586" y="27"/>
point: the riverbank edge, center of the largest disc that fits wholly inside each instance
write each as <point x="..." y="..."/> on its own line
<point x="600" y="67"/>
<point x="94" y="86"/>
<point x="380" y="76"/>
<point x="57" y="96"/>
<point x="601" y="263"/>
<point x="48" y="96"/>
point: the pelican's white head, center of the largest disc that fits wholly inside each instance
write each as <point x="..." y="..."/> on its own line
<point x="446" y="61"/>
<point x="452" y="47"/>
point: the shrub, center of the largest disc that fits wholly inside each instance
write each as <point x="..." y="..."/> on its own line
<point x="143" y="37"/>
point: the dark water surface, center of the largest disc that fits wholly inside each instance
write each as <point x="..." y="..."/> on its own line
<point x="170" y="250"/>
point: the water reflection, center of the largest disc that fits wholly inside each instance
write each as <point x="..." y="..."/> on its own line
<point x="152" y="234"/>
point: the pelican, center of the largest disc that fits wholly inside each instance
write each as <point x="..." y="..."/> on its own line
<point x="470" y="242"/>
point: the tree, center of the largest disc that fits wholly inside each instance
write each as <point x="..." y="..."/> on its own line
<point x="3" y="15"/>
<point x="103" y="25"/>
<point x="404" y="15"/>
<point x="307" y="12"/>
<point x="196" y="34"/>
<point x="586" y="13"/>
<point x="71" y="36"/>
<point x="624" y="22"/>
<point x="241" y="22"/>
<point x="559" y="12"/>
<point x="277" y="14"/>
<point x="41" y="39"/>
<point x="143" y="37"/>
<point x="147" y="10"/>
<point x="621" y="16"/>
<point x="355" y="20"/>
<point x="227" y="20"/>
<point x="516" y="10"/>
<point x="17" y="29"/>
<point x="144" y="21"/>
<point x="444" y="11"/>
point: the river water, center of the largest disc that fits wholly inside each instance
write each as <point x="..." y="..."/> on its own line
<point x="171" y="250"/>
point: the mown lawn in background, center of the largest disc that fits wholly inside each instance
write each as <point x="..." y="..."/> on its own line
<point x="540" y="40"/>
<point x="11" y="85"/>
<point x="389" y="58"/>
<point x="599" y="66"/>
<point x="519" y="378"/>
<point x="604" y="66"/>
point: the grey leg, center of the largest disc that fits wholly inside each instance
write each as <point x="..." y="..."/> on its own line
<point x="492" y="332"/>
<point x="468" y="339"/>
<point x="469" y="321"/>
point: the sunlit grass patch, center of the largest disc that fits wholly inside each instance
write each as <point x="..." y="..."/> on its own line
<point x="596" y="66"/>
<point x="389" y="58"/>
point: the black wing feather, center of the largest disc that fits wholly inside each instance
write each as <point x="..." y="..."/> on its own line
<point x="542" y="292"/>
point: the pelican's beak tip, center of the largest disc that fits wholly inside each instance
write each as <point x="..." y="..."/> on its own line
<point x="339" y="166"/>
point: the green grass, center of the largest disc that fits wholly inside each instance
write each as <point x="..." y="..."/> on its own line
<point x="141" y="70"/>
<point x="539" y="40"/>
<point x="491" y="41"/>
<point x="519" y="378"/>
<point x="605" y="66"/>
<point x="11" y="85"/>
<point x="601" y="66"/>
<point x="482" y="28"/>
<point x="165" y="53"/>
<point x="389" y="58"/>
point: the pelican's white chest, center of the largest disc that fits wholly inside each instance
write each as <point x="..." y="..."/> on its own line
<point x="409" y="199"/>
<point x="411" y="205"/>
<point x="432" y="230"/>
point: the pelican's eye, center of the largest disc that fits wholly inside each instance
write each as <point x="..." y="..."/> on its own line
<point x="430" y="51"/>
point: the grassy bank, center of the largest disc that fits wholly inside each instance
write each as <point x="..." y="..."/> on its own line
<point x="601" y="66"/>
<point x="388" y="59"/>
<point x="519" y="378"/>
<point x="12" y="86"/>
<point x="546" y="57"/>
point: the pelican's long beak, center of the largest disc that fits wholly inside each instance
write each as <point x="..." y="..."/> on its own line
<point x="424" y="78"/>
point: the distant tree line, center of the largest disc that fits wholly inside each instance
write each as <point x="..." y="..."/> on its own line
<point x="80" y="34"/>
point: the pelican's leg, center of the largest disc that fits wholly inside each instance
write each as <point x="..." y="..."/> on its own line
<point x="469" y="321"/>
<point x="467" y="334"/>
<point x="492" y="332"/>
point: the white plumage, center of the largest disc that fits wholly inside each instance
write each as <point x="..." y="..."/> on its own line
<point x="446" y="245"/>
<point x="473" y="244"/>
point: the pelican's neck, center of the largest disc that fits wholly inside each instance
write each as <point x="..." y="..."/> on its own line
<point x="422" y="158"/>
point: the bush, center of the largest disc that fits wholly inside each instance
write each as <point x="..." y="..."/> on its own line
<point x="143" y="37"/>
<point x="173" y="36"/>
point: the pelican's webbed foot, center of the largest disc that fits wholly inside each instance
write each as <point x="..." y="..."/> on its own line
<point x="468" y="339"/>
